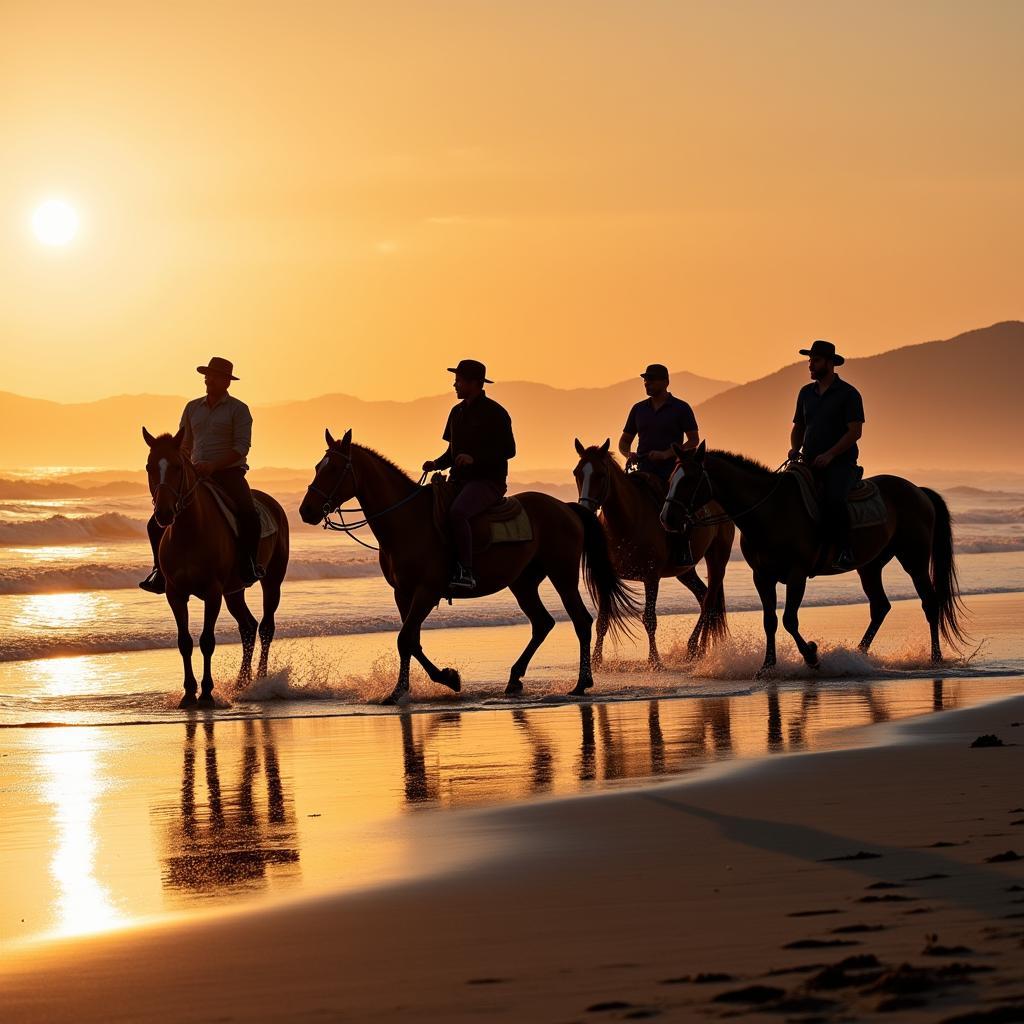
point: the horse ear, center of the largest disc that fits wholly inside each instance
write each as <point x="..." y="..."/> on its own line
<point x="579" y="448"/>
<point x="148" y="437"/>
<point x="346" y="441"/>
<point x="327" y="437"/>
<point x="607" y="444"/>
<point x="702" y="450"/>
<point x="678" y="449"/>
<point x="178" y="437"/>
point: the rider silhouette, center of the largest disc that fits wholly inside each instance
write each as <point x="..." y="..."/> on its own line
<point x="827" y="425"/>
<point x="217" y="436"/>
<point x="661" y="420"/>
<point x="480" y="443"/>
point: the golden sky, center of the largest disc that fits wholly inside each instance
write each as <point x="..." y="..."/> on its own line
<point x="349" y="196"/>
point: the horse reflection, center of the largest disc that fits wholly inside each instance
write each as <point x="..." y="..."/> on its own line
<point x="231" y="840"/>
<point x="421" y="786"/>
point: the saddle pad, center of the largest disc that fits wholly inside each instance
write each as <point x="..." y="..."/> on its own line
<point x="268" y="525"/>
<point x="865" y="505"/>
<point x="511" y="530"/>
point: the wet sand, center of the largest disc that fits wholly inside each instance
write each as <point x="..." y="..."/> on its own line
<point x="621" y="904"/>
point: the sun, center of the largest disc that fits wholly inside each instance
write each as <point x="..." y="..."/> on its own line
<point x="55" y="222"/>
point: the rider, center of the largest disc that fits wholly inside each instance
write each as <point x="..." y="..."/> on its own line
<point x="661" y="420"/>
<point x="480" y="443"/>
<point x="827" y="425"/>
<point x="217" y="435"/>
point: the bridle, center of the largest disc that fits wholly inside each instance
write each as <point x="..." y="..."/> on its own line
<point x="182" y="499"/>
<point x="691" y="511"/>
<point x="596" y="503"/>
<point x="330" y="505"/>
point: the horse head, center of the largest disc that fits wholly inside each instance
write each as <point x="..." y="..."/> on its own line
<point x="333" y="481"/>
<point x="167" y="473"/>
<point x="593" y="474"/>
<point x="689" y="489"/>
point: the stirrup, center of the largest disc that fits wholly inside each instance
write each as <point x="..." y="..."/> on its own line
<point x="462" y="579"/>
<point x="844" y="560"/>
<point x="154" y="583"/>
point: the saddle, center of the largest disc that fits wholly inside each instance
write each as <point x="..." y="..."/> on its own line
<point x="506" y="522"/>
<point x="865" y="505"/>
<point x="649" y="484"/>
<point x="268" y="524"/>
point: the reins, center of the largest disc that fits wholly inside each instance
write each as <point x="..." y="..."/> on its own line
<point x="182" y="500"/>
<point x="329" y="507"/>
<point x="691" y="512"/>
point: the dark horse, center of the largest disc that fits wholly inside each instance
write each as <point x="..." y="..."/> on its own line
<point x="641" y="550"/>
<point x="414" y="559"/>
<point x="199" y="556"/>
<point x="781" y="543"/>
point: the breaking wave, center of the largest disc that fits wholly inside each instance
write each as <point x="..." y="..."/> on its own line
<point x="58" y="529"/>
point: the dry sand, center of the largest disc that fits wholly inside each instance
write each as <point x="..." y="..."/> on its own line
<point x="634" y="905"/>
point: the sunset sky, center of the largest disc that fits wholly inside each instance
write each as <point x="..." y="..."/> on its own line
<point x="350" y="196"/>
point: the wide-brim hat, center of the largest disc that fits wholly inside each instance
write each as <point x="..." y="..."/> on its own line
<point x="218" y="365"/>
<point x="472" y="369"/>
<point x="826" y="349"/>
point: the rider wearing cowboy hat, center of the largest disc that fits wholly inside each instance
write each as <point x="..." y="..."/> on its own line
<point x="827" y="425"/>
<point x="480" y="443"/>
<point x="217" y="434"/>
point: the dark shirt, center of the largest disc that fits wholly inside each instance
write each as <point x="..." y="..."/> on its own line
<point x="826" y="417"/>
<point x="483" y="429"/>
<point x="659" y="429"/>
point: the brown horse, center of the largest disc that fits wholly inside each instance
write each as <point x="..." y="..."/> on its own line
<point x="781" y="542"/>
<point x="630" y="513"/>
<point x="199" y="556"/>
<point x="415" y="559"/>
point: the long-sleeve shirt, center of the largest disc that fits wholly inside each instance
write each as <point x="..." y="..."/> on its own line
<point x="210" y="433"/>
<point x="483" y="429"/>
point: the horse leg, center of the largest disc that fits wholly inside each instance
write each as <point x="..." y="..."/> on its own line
<point x="207" y="643"/>
<point x="419" y="608"/>
<point x="871" y="581"/>
<point x="796" y="585"/>
<point x="766" y="590"/>
<point x="246" y="630"/>
<point x="445" y="676"/>
<point x="271" y="600"/>
<point x="179" y="608"/>
<point x="602" y="631"/>
<point x="696" y="586"/>
<point x="651" y="586"/>
<point x="526" y="592"/>
<point x="916" y="567"/>
<point x="568" y="590"/>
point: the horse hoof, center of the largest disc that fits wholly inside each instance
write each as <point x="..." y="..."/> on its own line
<point x="765" y="671"/>
<point x="811" y="655"/>
<point x="656" y="666"/>
<point x="580" y="689"/>
<point x="514" y="688"/>
<point x="206" y="701"/>
<point x="189" y="701"/>
<point x="450" y="677"/>
<point x="396" y="699"/>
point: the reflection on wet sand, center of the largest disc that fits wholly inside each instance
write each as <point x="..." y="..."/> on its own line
<point x="230" y="841"/>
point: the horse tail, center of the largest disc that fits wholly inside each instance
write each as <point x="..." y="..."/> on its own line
<point x="944" y="574"/>
<point x="613" y="598"/>
<point x="716" y="623"/>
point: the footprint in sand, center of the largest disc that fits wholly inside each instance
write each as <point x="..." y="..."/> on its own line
<point x="818" y="943"/>
<point x="859" y="855"/>
<point x="857" y="929"/>
<point x="813" y="913"/>
<point x="887" y="898"/>
<point x="885" y="885"/>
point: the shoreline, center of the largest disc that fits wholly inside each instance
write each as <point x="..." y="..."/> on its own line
<point x="623" y="894"/>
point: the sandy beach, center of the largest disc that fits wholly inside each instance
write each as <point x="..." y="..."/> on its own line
<point x="902" y="862"/>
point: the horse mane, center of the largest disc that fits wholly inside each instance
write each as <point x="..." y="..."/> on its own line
<point x="740" y="461"/>
<point x="595" y="449"/>
<point x="388" y="464"/>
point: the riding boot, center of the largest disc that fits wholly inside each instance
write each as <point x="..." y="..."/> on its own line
<point x="154" y="583"/>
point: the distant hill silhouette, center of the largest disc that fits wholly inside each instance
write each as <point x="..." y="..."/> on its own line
<point x="34" y="432"/>
<point x="949" y="403"/>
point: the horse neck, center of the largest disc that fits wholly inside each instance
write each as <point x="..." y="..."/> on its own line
<point x="624" y="501"/>
<point x="379" y="486"/>
<point x="741" y="491"/>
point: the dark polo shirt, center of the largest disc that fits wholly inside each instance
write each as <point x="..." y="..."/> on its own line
<point x="824" y="418"/>
<point x="659" y="429"/>
<point x="483" y="429"/>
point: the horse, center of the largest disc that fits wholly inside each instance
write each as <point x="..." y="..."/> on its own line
<point x="630" y="513"/>
<point x="781" y="543"/>
<point x="199" y="557"/>
<point x="415" y="560"/>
